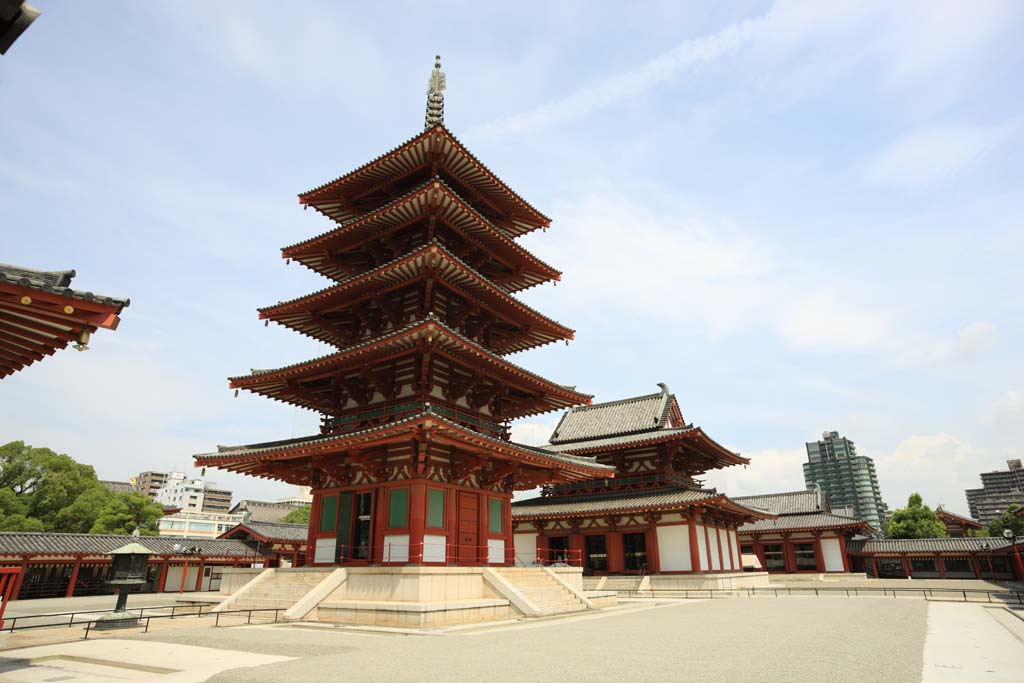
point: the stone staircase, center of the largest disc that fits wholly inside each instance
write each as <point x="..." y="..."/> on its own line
<point x="282" y="589"/>
<point x="543" y="590"/>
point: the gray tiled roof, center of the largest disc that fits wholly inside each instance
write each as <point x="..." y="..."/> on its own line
<point x="263" y="510"/>
<point x="816" y="520"/>
<point x="51" y="544"/>
<point x="55" y="282"/>
<point x="270" y="446"/>
<point x="572" y="505"/>
<point x="275" y="531"/>
<point x="615" y="418"/>
<point x="794" y="502"/>
<point x="610" y="441"/>
<point x="117" y="486"/>
<point x="925" y="545"/>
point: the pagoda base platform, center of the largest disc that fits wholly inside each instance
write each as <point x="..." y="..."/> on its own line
<point x="663" y="585"/>
<point x="415" y="596"/>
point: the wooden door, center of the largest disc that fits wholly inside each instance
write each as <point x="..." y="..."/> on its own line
<point x="468" y="537"/>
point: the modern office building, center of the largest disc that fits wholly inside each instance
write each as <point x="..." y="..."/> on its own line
<point x="848" y="479"/>
<point x="193" y="494"/>
<point x="999" y="490"/>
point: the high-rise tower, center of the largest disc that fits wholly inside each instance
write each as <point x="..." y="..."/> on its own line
<point x="848" y="479"/>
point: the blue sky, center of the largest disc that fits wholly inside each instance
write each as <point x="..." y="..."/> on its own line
<point x="799" y="216"/>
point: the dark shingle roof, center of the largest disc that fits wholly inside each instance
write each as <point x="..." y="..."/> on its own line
<point x="615" y="418"/>
<point x="925" y="545"/>
<point x="53" y="281"/>
<point x="274" y="531"/>
<point x="791" y="522"/>
<point x="117" y="486"/>
<point x="572" y="505"/>
<point x="793" y="502"/>
<point x="47" y="543"/>
<point x="590" y="444"/>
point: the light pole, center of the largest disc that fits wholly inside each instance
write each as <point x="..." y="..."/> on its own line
<point x="985" y="547"/>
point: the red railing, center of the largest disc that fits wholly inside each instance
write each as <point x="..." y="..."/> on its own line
<point x="8" y="581"/>
<point x="454" y="554"/>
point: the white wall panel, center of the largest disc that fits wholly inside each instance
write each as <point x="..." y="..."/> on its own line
<point x="396" y="548"/>
<point x="723" y="542"/>
<point x="674" y="548"/>
<point x="713" y="549"/>
<point x="496" y="551"/>
<point x="435" y="548"/>
<point x="526" y="548"/>
<point x="832" y="554"/>
<point x="736" y="550"/>
<point x="323" y="551"/>
<point x="702" y="547"/>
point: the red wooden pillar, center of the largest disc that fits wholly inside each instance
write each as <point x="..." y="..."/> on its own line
<point x="199" y="574"/>
<point x="506" y="526"/>
<point x="380" y="520"/>
<point x="789" y="554"/>
<point x="1018" y="564"/>
<point x="543" y="548"/>
<point x="759" y="553"/>
<point x="576" y="549"/>
<point x="694" y="548"/>
<point x="874" y="565"/>
<point x="653" y="555"/>
<point x="161" y="583"/>
<point x="842" y="551"/>
<point x="977" y="567"/>
<point x="74" y="577"/>
<point x="906" y="567"/>
<point x="941" y="566"/>
<point x="417" y="520"/>
<point x="21" y="579"/>
<point x="616" y="553"/>
<point x="819" y="558"/>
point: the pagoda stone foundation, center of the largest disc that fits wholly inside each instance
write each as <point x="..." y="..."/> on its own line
<point x="413" y="597"/>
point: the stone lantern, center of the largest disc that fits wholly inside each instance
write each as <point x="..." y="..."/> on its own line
<point x="129" y="567"/>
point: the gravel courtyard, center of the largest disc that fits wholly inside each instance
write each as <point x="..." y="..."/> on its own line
<point x="799" y="639"/>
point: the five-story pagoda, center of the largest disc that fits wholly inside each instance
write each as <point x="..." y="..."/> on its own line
<point x="414" y="463"/>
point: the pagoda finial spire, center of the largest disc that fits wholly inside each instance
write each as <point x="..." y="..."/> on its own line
<point x="435" y="95"/>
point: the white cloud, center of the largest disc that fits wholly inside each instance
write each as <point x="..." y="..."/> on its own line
<point x="823" y="321"/>
<point x="769" y="471"/>
<point x="1006" y="414"/>
<point x="939" y="466"/>
<point x="933" y="154"/>
<point x="968" y="344"/>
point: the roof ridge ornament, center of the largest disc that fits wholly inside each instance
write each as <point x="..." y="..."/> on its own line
<point x="435" y="96"/>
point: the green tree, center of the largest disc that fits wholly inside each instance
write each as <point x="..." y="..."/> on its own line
<point x="37" y="484"/>
<point x="917" y="520"/>
<point x="79" y="517"/>
<point x="1007" y="520"/>
<point x="126" y="512"/>
<point x="298" y="515"/>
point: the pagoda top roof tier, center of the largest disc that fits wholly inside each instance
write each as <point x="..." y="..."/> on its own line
<point x="254" y="459"/>
<point x="429" y="335"/>
<point x="360" y="191"/>
<point x="431" y="260"/>
<point x="433" y="197"/>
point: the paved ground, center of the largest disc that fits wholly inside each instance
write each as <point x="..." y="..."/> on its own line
<point x="22" y="608"/>
<point x="786" y="639"/>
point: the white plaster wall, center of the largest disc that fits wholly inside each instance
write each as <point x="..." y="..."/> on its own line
<point x="674" y="548"/>
<point x="324" y="549"/>
<point x="832" y="554"/>
<point x="736" y="550"/>
<point x="526" y="548"/>
<point x="434" y="548"/>
<point x="702" y="548"/>
<point x="496" y="551"/>
<point x="723" y="542"/>
<point x="713" y="549"/>
<point x="173" y="582"/>
<point x="396" y="548"/>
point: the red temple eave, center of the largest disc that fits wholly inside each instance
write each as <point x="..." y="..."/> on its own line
<point x="427" y="426"/>
<point x="399" y="273"/>
<point x="54" y="308"/>
<point x="417" y="152"/>
<point x="724" y="455"/>
<point x="433" y="198"/>
<point x="720" y="501"/>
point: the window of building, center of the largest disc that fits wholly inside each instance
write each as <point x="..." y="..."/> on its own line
<point x="806" y="558"/>
<point x="494" y="522"/>
<point x="435" y="508"/>
<point x="774" y="558"/>
<point x="923" y="566"/>
<point x="597" y="553"/>
<point x="746" y="550"/>
<point x="328" y="513"/>
<point x="559" y="549"/>
<point x="398" y="508"/>
<point x="634" y="549"/>
<point x="957" y="564"/>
